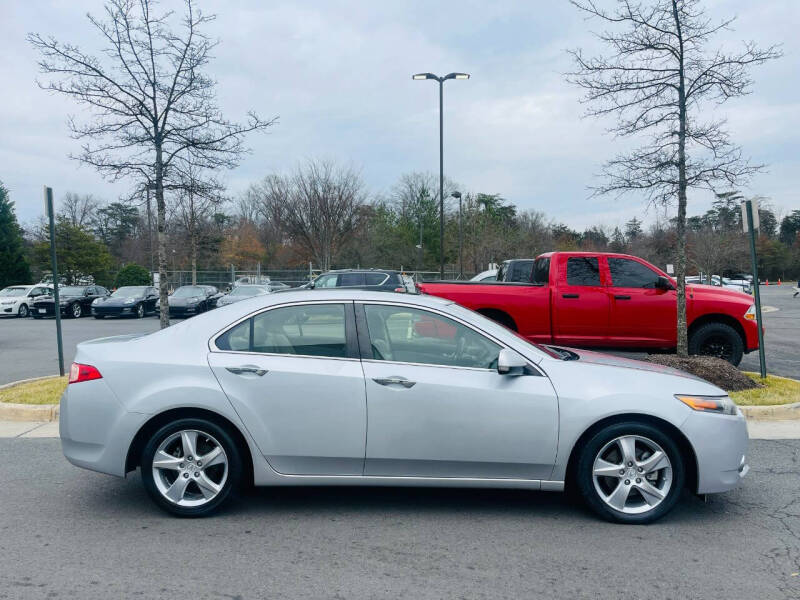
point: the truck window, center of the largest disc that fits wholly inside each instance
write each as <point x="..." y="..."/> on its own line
<point x="541" y="271"/>
<point x="631" y="274"/>
<point x="583" y="270"/>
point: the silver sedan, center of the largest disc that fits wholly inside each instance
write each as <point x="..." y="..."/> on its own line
<point x="347" y="387"/>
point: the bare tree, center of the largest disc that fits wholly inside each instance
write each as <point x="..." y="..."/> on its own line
<point x="318" y="207"/>
<point x="660" y="79"/>
<point x="79" y="210"/>
<point x="199" y="196"/>
<point x="150" y="101"/>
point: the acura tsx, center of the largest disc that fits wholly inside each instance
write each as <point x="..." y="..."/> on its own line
<point x="353" y="387"/>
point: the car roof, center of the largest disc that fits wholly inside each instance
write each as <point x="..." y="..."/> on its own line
<point x="344" y="294"/>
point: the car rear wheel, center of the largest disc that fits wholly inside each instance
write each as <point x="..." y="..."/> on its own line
<point x="76" y="310"/>
<point x="190" y="467"/>
<point x="630" y="473"/>
<point x="717" y="339"/>
<point x="23" y="311"/>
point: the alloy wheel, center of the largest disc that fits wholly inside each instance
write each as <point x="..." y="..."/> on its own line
<point x="632" y="474"/>
<point x="717" y="346"/>
<point x="190" y="468"/>
<point x="76" y="310"/>
<point x="23" y="311"/>
<point x="140" y="311"/>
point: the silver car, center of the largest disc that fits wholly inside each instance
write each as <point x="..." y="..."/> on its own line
<point x="349" y="387"/>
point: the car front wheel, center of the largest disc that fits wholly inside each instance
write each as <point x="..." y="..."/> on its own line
<point x="630" y="473"/>
<point x="23" y="311"/>
<point x="190" y="467"/>
<point x="717" y="339"/>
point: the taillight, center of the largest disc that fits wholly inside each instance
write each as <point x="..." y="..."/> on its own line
<point x="79" y="372"/>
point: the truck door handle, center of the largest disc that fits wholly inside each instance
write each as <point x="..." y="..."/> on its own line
<point x="394" y="380"/>
<point x="570" y="295"/>
<point x="245" y="369"/>
<point x="622" y="297"/>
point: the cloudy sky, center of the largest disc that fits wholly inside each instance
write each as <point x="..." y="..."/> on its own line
<point x="337" y="73"/>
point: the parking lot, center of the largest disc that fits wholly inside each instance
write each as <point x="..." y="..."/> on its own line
<point x="28" y="346"/>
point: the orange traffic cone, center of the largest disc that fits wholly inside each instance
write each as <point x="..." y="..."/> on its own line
<point x="766" y="282"/>
<point x="779" y="280"/>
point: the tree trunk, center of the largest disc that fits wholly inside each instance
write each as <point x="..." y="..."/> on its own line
<point x="161" y="208"/>
<point x="680" y="226"/>
<point x="193" y="240"/>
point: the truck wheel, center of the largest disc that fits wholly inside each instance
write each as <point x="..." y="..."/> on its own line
<point x="717" y="339"/>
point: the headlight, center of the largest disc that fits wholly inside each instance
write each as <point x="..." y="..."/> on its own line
<point x="717" y="404"/>
<point x="95" y="301"/>
<point x="750" y="315"/>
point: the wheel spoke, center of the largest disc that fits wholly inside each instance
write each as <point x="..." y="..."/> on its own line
<point x="177" y="489"/>
<point x="215" y="457"/>
<point x="619" y="496"/>
<point x="603" y="468"/>
<point x="189" y="443"/>
<point x="627" y="446"/>
<point x="208" y="487"/>
<point x="657" y="461"/>
<point x="163" y="460"/>
<point x="651" y="494"/>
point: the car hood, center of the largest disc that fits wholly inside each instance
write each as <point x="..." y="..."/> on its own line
<point x="610" y="360"/>
<point x="700" y="290"/>
<point x="117" y="301"/>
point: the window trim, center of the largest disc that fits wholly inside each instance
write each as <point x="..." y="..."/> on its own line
<point x="365" y="347"/>
<point x="351" y="345"/>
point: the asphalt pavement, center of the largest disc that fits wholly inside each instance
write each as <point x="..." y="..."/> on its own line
<point x="70" y="533"/>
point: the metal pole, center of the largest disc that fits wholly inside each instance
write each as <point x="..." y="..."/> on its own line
<point x="48" y="200"/>
<point x="441" y="181"/>
<point x="761" y="358"/>
<point x="460" y="243"/>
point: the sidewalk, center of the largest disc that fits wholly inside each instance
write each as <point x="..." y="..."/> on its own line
<point x="759" y="430"/>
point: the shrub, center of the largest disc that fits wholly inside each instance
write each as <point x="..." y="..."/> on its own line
<point x="132" y="274"/>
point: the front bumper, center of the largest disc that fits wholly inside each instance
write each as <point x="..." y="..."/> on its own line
<point x="113" y="311"/>
<point x="720" y="444"/>
<point x="183" y="311"/>
<point x="9" y="309"/>
<point x="95" y="429"/>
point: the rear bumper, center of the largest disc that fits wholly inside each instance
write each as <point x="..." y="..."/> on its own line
<point x="720" y="445"/>
<point x="95" y="429"/>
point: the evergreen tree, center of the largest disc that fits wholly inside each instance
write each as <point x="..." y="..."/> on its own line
<point x="13" y="264"/>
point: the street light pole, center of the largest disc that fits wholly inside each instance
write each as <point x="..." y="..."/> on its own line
<point x="441" y="81"/>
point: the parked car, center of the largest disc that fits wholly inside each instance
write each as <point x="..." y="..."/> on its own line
<point x="488" y="275"/>
<point x="281" y="389"/>
<point x="16" y="300"/>
<point x="372" y="279"/>
<point x="277" y="286"/>
<point x="189" y="300"/>
<point x="717" y="281"/>
<point x="252" y="280"/>
<point x="127" y="301"/>
<point x="600" y="300"/>
<point x="240" y="292"/>
<point x="75" y="301"/>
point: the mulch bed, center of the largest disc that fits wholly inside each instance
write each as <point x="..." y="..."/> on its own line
<point x="714" y="370"/>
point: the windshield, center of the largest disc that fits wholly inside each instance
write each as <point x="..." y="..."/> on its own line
<point x="254" y="290"/>
<point x="189" y="291"/>
<point x="15" y="291"/>
<point x="129" y="292"/>
<point x="71" y="290"/>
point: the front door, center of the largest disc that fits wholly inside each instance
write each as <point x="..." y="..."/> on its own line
<point x="293" y="375"/>
<point x="437" y="406"/>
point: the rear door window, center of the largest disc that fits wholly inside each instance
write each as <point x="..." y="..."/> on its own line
<point x="583" y="271"/>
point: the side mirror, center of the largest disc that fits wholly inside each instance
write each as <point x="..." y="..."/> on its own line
<point x="664" y="284"/>
<point x="510" y="363"/>
<point x="311" y="285"/>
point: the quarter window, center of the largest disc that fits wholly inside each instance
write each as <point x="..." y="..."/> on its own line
<point x="631" y="274"/>
<point x="402" y="334"/>
<point x="583" y="270"/>
<point x="375" y="278"/>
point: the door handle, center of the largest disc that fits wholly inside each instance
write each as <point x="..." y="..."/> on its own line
<point x="570" y="295"/>
<point x="394" y="380"/>
<point x="243" y="370"/>
<point x="622" y="297"/>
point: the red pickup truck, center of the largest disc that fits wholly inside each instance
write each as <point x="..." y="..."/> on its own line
<point x="603" y="300"/>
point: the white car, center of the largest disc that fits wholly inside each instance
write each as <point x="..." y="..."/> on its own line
<point x="16" y="300"/>
<point x="356" y="387"/>
<point x="240" y="292"/>
<point x="489" y="275"/>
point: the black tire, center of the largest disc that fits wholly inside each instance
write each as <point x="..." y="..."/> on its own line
<point x="140" y="312"/>
<point x="23" y="311"/>
<point x="717" y="339"/>
<point x="585" y="480"/>
<point x="232" y="482"/>
<point x="75" y="310"/>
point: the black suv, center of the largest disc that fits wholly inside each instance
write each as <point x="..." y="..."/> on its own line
<point x="369" y="279"/>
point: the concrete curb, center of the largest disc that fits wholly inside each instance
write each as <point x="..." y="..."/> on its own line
<point x="775" y="412"/>
<point x="10" y="411"/>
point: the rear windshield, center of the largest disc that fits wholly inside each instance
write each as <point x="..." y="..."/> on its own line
<point x="189" y="291"/>
<point x="129" y="292"/>
<point x="541" y="271"/>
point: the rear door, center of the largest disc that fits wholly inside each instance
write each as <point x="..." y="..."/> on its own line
<point x="580" y="301"/>
<point x="641" y="313"/>
<point x="293" y="374"/>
